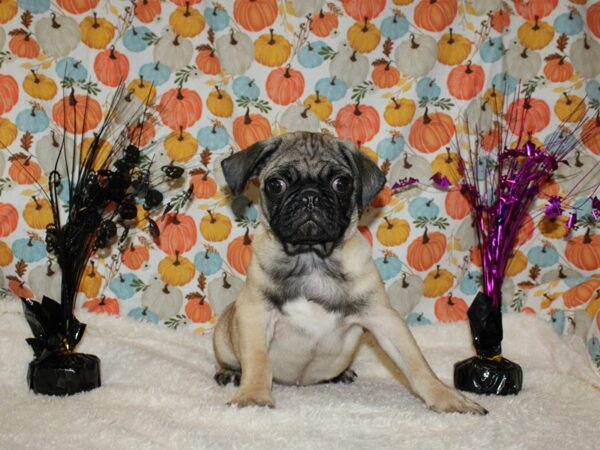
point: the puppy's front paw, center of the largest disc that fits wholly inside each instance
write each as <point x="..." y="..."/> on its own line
<point x="446" y="399"/>
<point x="243" y="399"/>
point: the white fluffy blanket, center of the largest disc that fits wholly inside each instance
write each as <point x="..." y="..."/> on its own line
<point x="158" y="392"/>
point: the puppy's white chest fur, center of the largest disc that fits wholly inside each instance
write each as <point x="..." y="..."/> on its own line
<point x="310" y="344"/>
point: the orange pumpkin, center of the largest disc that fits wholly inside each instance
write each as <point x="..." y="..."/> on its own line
<point x="103" y="305"/>
<point x="384" y="75"/>
<point x="590" y="134"/>
<point x="358" y="123"/>
<point x="111" y="67"/>
<point x="525" y="232"/>
<point x="177" y="233"/>
<point x="492" y="138"/>
<point x="9" y="93"/>
<point x="475" y="255"/>
<point x="255" y="15"/>
<point x="584" y="251"/>
<point x="435" y="15"/>
<point x="363" y="9"/>
<point x="427" y="250"/>
<point x="285" y="85"/>
<point x="180" y="108"/>
<point x="530" y="9"/>
<point x="24" y="46"/>
<point x="457" y="204"/>
<point x="77" y="6"/>
<point x="466" y="81"/>
<point x="250" y="128"/>
<point x="453" y="48"/>
<point x="393" y="232"/>
<point x="23" y="170"/>
<point x="239" y="252"/>
<point x="38" y="213"/>
<point x="500" y="20"/>
<point x="593" y="21"/>
<point x="77" y="113"/>
<point x="9" y="217"/>
<point x="176" y="270"/>
<point x="450" y="309"/>
<point x="431" y="132"/>
<point x="208" y="61"/>
<point x="366" y="232"/>
<point x="19" y="289"/>
<point x="146" y="10"/>
<point x="215" y="227"/>
<point x="437" y="282"/>
<point x="383" y="197"/>
<point x="198" y="309"/>
<point x="527" y="115"/>
<point x="135" y="256"/>
<point x="399" y="112"/>
<point x="580" y="294"/>
<point x="204" y="186"/>
<point x="558" y="69"/>
<point x="323" y="24"/>
<point x="141" y="133"/>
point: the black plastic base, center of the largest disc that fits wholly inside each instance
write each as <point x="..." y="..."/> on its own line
<point x="485" y="376"/>
<point x="64" y="374"/>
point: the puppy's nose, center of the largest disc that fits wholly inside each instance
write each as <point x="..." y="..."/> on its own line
<point x="310" y="198"/>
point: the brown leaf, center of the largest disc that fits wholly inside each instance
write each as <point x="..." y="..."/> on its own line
<point x="26" y="141"/>
<point x="379" y="62"/>
<point x="526" y="285"/>
<point x="205" y="157"/>
<point x="20" y="268"/>
<point x="17" y="157"/>
<point x="334" y="9"/>
<point x="197" y="171"/>
<point x="145" y="242"/>
<point x="17" y="31"/>
<point x="202" y="281"/>
<point x="562" y="42"/>
<point x="534" y="272"/>
<point x="388" y="45"/>
<point x="211" y="36"/>
<point x="26" y="19"/>
<point x="204" y="47"/>
<point x="193" y="295"/>
<point x="385" y="167"/>
<point x="552" y="56"/>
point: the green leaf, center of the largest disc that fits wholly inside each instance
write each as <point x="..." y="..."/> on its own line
<point x="327" y="52"/>
<point x="421" y="221"/>
<point x="517" y="303"/>
<point x="243" y="102"/>
<point x="176" y="321"/>
<point x="150" y="38"/>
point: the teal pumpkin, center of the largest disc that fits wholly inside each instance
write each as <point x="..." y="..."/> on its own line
<point x="583" y="206"/>
<point x="416" y="318"/>
<point x="213" y="138"/>
<point x="143" y="315"/>
<point x="243" y="207"/>
<point x="390" y="148"/>
<point x="155" y="73"/>
<point x="388" y="266"/>
<point x="394" y="27"/>
<point x="559" y="139"/>
<point x="125" y="285"/>
<point x="332" y="88"/>
<point x="133" y="39"/>
<point x="71" y="68"/>
<point x="29" y="250"/>
<point x="423" y="207"/>
<point x="558" y="321"/>
<point x="32" y="120"/>
<point x="504" y="83"/>
<point x="593" y="348"/>
<point x="244" y="86"/>
<point x="428" y="88"/>
<point x="569" y="23"/>
<point x="34" y="6"/>
<point x="592" y="89"/>
<point x="216" y="18"/>
<point x="309" y="55"/>
<point x="492" y="50"/>
<point x="542" y="256"/>
<point x="469" y="285"/>
<point x="208" y="263"/>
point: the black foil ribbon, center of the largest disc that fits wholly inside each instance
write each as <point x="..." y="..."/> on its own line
<point x="56" y="369"/>
<point x="488" y="372"/>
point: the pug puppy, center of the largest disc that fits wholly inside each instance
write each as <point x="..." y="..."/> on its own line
<point x="312" y="287"/>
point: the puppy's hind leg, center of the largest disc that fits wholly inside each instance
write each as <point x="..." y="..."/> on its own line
<point x="229" y="367"/>
<point x="225" y="376"/>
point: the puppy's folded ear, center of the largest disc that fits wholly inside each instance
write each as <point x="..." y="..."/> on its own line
<point x="243" y="165"/>
<point x="370" y="179"/>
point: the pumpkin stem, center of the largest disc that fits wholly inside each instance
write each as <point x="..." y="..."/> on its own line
<point x="247" y="119"/>
<point x="389" y="224"/>
<point x="332" y="83"/>
<point x="179" y="94"/>
<point x="425" y="237"/>
<point x="366" y="27"/>
<point x="95" y="24"/>
<point x="451" y="38"/>
<point x="30" y="242"/>
<point x="176" y="40"/>
<point x="212" y="218"/>
<point x="92" y="273"/>
<point x="536" y="26"/>
<point x="585" y="42"/>
<point x="55" y="24"/>
<point x="232" y="40"/>
<point x="321" y="15"/>
<point x="206" y="254"/>
<point x="450" y="299"/>
<point x="385" y="258"/>
<point x="135" y="33"/>
<point x="396" y="104"/>
<point x="37" y="204"/>
<point x="317" y="99"/>
<point x="426" y="118"/>
<point x="561" y="61"/>
<point x="357" y="108"/>
<point x="54" y="142"/>
<point x="176" y="262"/>
<point x="468" y="69"/>
<point x="102" y="298"/>
<point x="429" y="202"/>
<point x="112" y="52"/>
<point x="247" y="240"/>
<point x="405" y="284"/>
<point x="156" y="65"/>
<point x="353" y="57"/>
<point x="72" y="101"/>
<point x="287" y="72"/>
<point x="214" y="129"/>
<point x="569" y="101"/>
<point x="437" y="272"/>
<point x="175" y="219"/>
<point x="524" y="53"/>
<point x="49" y="271"/>
<point x="219" y="94"/>
<point x="448" y="158"/>
<point x="303" y="113"/>
<point x="406" y="164"/>
<point x="187" y="9"/>
<point x="165" y="289"/>
<point x="121" y="279"/>
<point x="272" y="41"/>
<point x="226" y="284"/>
<point x="587" y="238"/>
<point x="578" y="162"/>
<point x="180" y="137"/>
<point x="413" y="43"/>
<point x="387" y="66"/>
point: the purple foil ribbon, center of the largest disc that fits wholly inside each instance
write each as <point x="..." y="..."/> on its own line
<point x="440" y="180"/>
<point x="554" y="208"/>
<point x="404" y="182"/>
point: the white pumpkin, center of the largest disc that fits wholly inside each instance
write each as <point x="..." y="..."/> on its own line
<point x="2" y="163"/>
<point x="508" y="292"/>
<point x="217" y="170"/>
<point x="585" y="55"/>
<point x="235" y="51"/>
<point x="521" y="63"/>
<point x="2" y="37"/>
<point x="128" y="107"/>
<point x="223" y="291"/>
<point x="477" y="116"/>
<point x="416" y="56"/>
<point x="349" y="66"/>
<point x="580" y="325"/>
<point x="305" y="7"/>
<point x="173" y="51"/>
<point x="570" y="176"/>
<point x="57" y="36"/>
<point x="46" y="280"/>
<point x="48" y="149"/>
<point x="299" y="118"/>
<point x="162" y="299"/>
<point x="405" y="293"/>
<point x="466" y="234"/>
<point x="481" y="7"/>
<point x="410" y="166"/>
<point x="562" y="273"/>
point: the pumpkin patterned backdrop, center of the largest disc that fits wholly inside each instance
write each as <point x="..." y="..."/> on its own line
<point x="394" y="77"/>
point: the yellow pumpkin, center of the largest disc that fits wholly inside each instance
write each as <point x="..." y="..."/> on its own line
<point x="554" y="228"/>
<point x="141" y="219"/>
<point x="535" y="35"/>
<point x="102" y="160"/>
<point x="38" y="213"/>
<point x="220" y="103"/>
<point x="399" y="112"/>
<point x="39" y="86"/>
<point x="186" y="21"/>
<point x="90" y="281"/>
<point x="393" y="232"/>
<point x="271" y="49"/>
<point x="142" y="89"/>
<point x="516" y="263"/>
<point x="370" y="153"/>
<point x="453" y="48"/>
<point x="448" y="165"/>
<point x="215" y="227"/>
<point x="570" y="108"/>
<point x="8" y="10"/>
<point x="320" y="105"/>
<point x="363" y="36"/>
<point x="96" y="32"/>
<point x="6" y="254"/>
<point x="549" y="297"/>
<point x="176" y="270"/>
<point x="437" y="282"/>
<point x="8" y="133"/>
<point x="180" y="146"/>
<point x="494" y="99"/>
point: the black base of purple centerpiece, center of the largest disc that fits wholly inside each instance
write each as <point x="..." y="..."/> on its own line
<point x="487" y="376"/>
<point x="64" y="374"/>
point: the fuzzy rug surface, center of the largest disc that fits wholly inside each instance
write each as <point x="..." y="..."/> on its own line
<point x="158" y="392"/>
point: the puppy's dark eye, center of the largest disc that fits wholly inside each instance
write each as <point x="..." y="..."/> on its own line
<point x="276" y="186"/>
<point x="342" y="184"/>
